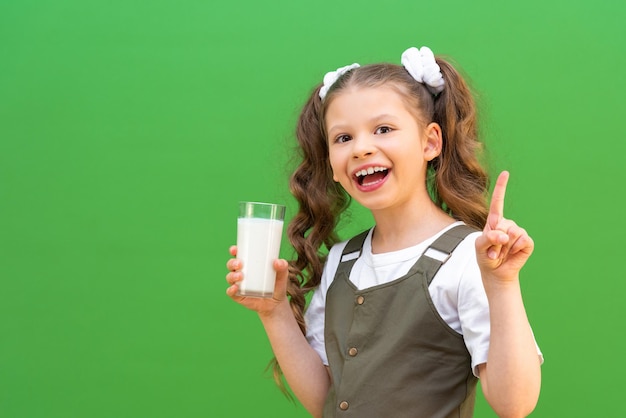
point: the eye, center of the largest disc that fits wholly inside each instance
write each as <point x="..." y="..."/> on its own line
<point x="342" y="138"/>
<point x="383" y="130"/>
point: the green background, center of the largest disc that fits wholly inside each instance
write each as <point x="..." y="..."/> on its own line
<point x="129" y="130"/>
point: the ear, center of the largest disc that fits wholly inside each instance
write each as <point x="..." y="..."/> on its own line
<point x="433" y="141"/>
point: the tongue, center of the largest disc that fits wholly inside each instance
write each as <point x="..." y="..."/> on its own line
<point x="374" y="178"/>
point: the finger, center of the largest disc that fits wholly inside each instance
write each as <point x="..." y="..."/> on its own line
<point x="487" y="248"/>
<point x="234" y="264"/>
<point x="232" y="291"/>
<point x="496" y="208"/>
<point x="523" y="243"/>
<point x="494" y="252"/>
<point x="234" y="277"/>
<point x="490" y="243"/>
<point x="281" y="266"/>
<point x="233" y="250"/>
<point x="510" y="233"/>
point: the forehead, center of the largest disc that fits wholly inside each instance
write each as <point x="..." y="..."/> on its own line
<point x="364" y="102"/>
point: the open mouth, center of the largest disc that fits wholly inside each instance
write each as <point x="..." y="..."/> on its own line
<point x="371" y="175"/>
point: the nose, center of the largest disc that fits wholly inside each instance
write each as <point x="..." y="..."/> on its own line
<point x="362" y="147"/>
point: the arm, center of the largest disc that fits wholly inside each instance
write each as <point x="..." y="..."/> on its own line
<point x="307" y="376"/>
<point x="302" y="367"/>
<point x="511" y="378"/>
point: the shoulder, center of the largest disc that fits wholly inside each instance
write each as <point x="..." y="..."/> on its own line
<point x="315" y="310"/>
<point x="334" y="258"/>
<point x="337" y="249"/>
<point x="463" y="277"/>
<point x="461" y="269"/>
<point x="462" y="263"/>
<point x="466" y="248"/>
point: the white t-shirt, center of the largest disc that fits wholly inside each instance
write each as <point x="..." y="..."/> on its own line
<point x="456" y="290"/>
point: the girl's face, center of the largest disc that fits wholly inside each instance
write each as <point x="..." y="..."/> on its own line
<point x="378" y="150"/>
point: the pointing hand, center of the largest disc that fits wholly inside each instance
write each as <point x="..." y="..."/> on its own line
<point x="504" y="247"/>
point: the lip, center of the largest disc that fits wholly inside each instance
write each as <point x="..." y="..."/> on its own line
<point x="372" y="186"/>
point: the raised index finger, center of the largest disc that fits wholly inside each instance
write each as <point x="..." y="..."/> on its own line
<point x="496" y="209"/>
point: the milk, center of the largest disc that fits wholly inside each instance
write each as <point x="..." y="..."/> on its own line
<point x="258" y="245"/>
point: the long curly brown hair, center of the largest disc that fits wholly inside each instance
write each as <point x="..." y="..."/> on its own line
<point x="456" y="180"/>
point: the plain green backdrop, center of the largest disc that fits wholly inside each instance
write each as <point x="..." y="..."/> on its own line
<point x="129" y="130"/>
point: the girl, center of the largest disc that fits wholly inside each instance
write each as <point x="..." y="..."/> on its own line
<point x="405" y="317"/>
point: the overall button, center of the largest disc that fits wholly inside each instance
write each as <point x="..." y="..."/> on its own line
<point x="360" y="299"/>
<point x="344" y="405"/>
<point x="353" y="351"/>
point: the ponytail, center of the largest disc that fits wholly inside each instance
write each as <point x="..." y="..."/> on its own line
<point x="458" y="181"/>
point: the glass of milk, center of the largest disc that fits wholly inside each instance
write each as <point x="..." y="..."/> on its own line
<point x="259" y="230"/>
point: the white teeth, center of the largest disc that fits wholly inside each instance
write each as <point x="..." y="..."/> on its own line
<point x="369" y="170"/>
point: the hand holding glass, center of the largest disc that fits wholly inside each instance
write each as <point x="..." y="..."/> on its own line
<point x="259" y="231"/>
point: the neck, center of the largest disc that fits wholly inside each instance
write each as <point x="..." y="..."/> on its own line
<point x="404" y="227"/>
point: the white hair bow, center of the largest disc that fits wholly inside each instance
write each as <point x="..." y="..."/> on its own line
<point x="421" y="64"/>
<point x="331" y="77"/>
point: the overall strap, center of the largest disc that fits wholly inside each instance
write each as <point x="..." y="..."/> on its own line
<point x="431" y="260"/>
<point x="440" y="251"/>
<point x="351" y="252"/>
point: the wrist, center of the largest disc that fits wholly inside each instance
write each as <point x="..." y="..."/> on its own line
<point x="278" y="310"/>
<point x="497" y="285"/>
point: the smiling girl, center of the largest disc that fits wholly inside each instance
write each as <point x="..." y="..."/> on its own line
<point x="407" y="316"/>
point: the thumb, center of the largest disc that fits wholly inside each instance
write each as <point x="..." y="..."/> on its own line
<point x="482" y="247"/>
<point x="489" y="247"/>
<point x="282" y="278"/>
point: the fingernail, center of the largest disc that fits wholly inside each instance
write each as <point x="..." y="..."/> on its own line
<point x="492" y="254"/>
